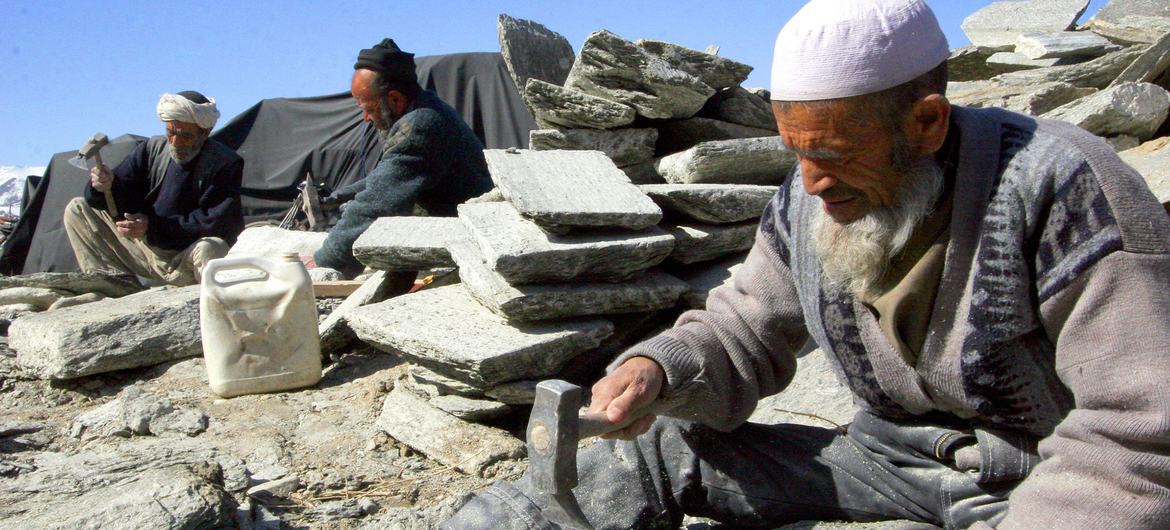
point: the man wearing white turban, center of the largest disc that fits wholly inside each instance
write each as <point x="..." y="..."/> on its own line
<point x="990" y="286"/>
<point x="175" y="201"/>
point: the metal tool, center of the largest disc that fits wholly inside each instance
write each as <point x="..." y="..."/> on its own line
<point x="554" y="428"/>
<point x="92" y="148"/>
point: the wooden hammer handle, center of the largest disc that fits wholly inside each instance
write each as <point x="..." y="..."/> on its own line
<point x="110" y="206"/>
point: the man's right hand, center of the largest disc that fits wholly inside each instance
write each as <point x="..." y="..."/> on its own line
<point x="100" y="178"/>
<point x="630" y="388"/>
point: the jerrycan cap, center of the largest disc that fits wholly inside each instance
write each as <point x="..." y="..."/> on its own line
<point x="291" y="256"/>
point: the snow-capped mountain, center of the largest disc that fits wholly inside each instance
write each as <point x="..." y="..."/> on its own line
<point x="12" y="186"/>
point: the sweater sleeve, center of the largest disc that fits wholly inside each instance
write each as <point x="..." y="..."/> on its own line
<point x="721" y="360"/>
<point x="219" y="213"/>
<point x="131" y="183"/>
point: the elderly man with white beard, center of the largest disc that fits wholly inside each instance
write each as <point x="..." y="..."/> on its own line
<point x="177" y="198"/>
<point x="990" y="286"/>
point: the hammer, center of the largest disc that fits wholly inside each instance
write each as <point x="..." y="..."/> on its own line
<point x="554" y="428"/>
<point x="92" y="149"/>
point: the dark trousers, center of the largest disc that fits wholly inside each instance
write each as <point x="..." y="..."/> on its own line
<point x="767" y="475"/>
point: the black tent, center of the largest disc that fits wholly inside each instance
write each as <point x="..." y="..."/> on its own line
<point x="281" y="140"/>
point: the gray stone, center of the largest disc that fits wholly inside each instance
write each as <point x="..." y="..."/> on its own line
<point x="1150" y="65"/>
<point x="522" y="253"/>
<point x="705" y="276"/>
<point x="1097" y="73"/>
<point x="346" y="509"/>
<point x="334" y="330"/>
<point x="447" y="331"/>
<point x="736" y="105"/>
<point x="75" y="282"/>
<point x="996" y="26"/>
<point x="1063" y="44"/>
<point x="969" y="63"/>
<point x="408" y="243"/>
<point x="1019" y="59"/>
<point x="567" y="107"/>
<point x="11" y="312"/>
<point x="678" y="135"/>
<point x="137" y="330"/>
<point x="273" y="241"/>
<point x="715" y="71"/>
<point x="514" y="393"/>
<point x="136" y="412"/>
<point x="468" y="447"/>
<point x="16" y="427"/>
<point x="1152" y="160"/>
<point x="38" y="297"/>
<point x="1123" y="142"/>
<point x="616" y="69"/>
<point x="816" y="397"/>
<point x="712" y="203"/>
<point x="531" y="50"/>
<point x="623" y="146"/>
<point x="648" y="292"/>
<point x="570" y="188"/>
<point x="644" y="172"/>
<point x="694" y="242"/>
<point x="325" y="274"/>
<point x="1033" y="100"/>
<point x="70" y="301"/>
<point x="282" y="487"/>
<point x="148" y="484"/>
<point x="1135" y="109"/>
<point x="763" y="161"/>
<point x="436" y="384"/>
<point x="470" y="409"/>
<point x="1132" y="20"/>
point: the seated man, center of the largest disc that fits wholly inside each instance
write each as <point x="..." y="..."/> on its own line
<point x="991" y="287"/>
<point x="430" y="157"/>
<point x="169" y="207"/>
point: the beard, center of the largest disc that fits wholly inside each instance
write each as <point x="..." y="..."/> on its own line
<point x="855" y="256"/>
<point x="184" y="155"/>
<point x="388" y="117"/>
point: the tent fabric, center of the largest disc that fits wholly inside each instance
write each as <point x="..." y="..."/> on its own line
<point x="281" y="140"/>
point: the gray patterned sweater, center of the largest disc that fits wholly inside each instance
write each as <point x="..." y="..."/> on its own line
<point x="1052" y="319"/>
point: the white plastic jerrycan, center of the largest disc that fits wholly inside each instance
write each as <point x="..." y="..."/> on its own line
<point x="259" y="331"/>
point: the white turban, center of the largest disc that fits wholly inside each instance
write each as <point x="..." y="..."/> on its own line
<point x="173" y="107"/>
<point x="840" y="48"/>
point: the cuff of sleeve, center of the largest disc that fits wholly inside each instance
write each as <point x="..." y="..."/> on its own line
<point x="675" y="358"/>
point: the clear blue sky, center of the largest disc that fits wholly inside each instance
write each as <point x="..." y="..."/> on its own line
<point x="72" y="68"/>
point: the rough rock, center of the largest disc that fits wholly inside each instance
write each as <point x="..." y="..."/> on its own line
<point x="325" y="274"/>
<point x="715" y="71"/>
<point x="567" y="107"/>
<point x="1134" y="109"/>
<point x="135" y="412"/>
<point x="1097" y="73"/>
<point x="468" y="447"/>
<point x="678" y="135"/>
<point x="11" y="312"/>
<point x="737" y="105"/>
<point x="623" y="146"/>
<point x="145" y="484"/>
<point x="648" y="292"/>
<point x="702" y="277"/>
<point x="447" y="331"/>
<point x="532" y="51"/>
<point x="616" y="69"/>
<point x="282" y="487"/>
<point x="1123" y="142"/>
<point x="408" y="243"/>
<point x="334" y="330"/>
<point x="763" y="161"/>
<point x="75" y="282"/>
<point x="570" y="188"/>
<point x="969" y="63"/>
<point x="1149" y="66"/>
<point x="695" y="242"/>
<point x="1152" y="160"/>
<point x="38" y="297"/>
<point x="470" y="409"/>
<point x="1132" y="20"/>
<point x="514" y="393"/>
<point x="523" y="253"/>
<point x="1027" y="99"/>
<point x="996" y="26"/>
<point x="70" y="301"/>
<point x="1063" y="44"/>
<point x="436" y="384"/>
<point x="1019" y="59"/>
<point x="137" y="330"/>
<point x="816" y="397"/>
<point x="712" y="203"/>
<point x="644" y="172"/>
<point x="272" y="241"/>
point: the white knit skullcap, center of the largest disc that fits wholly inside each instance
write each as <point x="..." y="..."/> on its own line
<point x="840" y="48"/>
<point x="173" y="107"/>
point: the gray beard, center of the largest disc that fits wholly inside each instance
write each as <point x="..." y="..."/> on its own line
<point x="389" y="118"/>
<point x="190" y="155"/>
<point x="855" y="256"/>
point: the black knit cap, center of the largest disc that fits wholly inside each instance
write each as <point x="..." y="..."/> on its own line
<point x="387" y="59"/>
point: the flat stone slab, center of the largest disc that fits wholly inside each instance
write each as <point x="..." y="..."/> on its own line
<point x="1063" y="44"/>
<point x="694" y="242"/>
<point x="408" y="243"/>
<point x="38" y="297"/>
<point x="737" y="105"/>
<point x="449" y="332"/>
<point x="74" y="282"/>
<point x="143" y="329"/>
<point x="1097" y="73"/>
<point x="616" y="69"/>
<point x="567" y="107"/>
<point x="570" y="188"/>
<point x="715" y="71"/>
<point x="623" y="146"/>
<point x="468" y="447"/>
<point x="269" y="241"/>
<point x="1150" y="65"/>
<point x="1019" y="59"/>
<point x="436" y="384"/>
<point x="1152" y="160"/>
<point x="532" y="51"/>
<point x="334" y="330"/>
<point x="649" y="292"/>
<point x="1133" y="109"/>
<point x="997" y="25"/>
<point x="1132" y="20"/>
<point x="763" y="161"/>
<point x="712" y="203"/>
<point x="522" y="253"/>
<point x="470" y="409"/>
<point x="1032" y="100"/>
<point x="679" y="135"/>
<point x="514" y="393"/>
<point x="702" y="277"/>
<point x="644" y="172"/>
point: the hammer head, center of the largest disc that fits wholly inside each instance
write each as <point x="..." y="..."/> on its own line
<point x="553" y="436"/>
<point x="93" y="145"/>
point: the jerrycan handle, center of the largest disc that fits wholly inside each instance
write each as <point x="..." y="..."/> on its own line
<point x="225" y="264"/>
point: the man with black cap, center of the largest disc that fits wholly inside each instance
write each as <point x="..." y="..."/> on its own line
<point x="177" y="201"/>
<point x="430" y="157"/>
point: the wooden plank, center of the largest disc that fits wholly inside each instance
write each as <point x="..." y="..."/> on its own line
<point x="336" y="289"/>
